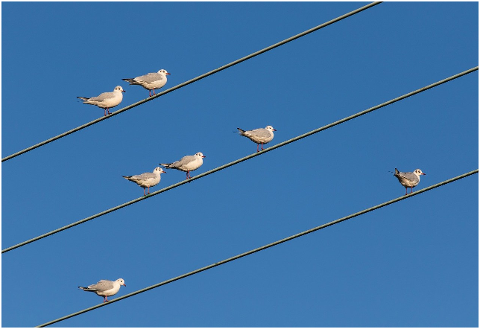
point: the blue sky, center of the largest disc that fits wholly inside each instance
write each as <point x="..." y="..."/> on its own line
<point x="414" y="263"/>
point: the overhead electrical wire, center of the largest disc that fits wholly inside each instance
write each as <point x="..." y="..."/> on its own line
<point x="264" y="247"/>
<point x="356" y="11"/>
<point x="243" y="159"/>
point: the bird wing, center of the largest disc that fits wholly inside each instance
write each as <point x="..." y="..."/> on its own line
<point x="150" y="77"/>
<point x="102" y="97"/>
<point x="184" y="161"/>
<point x="410" y="176"/>
<point x="261" y="132"/>
<point x="145" y="176"/>
<point x="101" y="285"/>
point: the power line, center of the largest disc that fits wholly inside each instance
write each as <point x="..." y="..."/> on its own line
<point x="356" y="11"/>
<point x="242" y="159"/>
<point x="264" y="247"/>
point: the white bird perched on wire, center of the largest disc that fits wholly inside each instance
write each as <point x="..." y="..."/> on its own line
<point x="106" y="100"/>
<point x="187" y="163"/>
<point x="147" y="179"/>
<point x="259" y="136"/>
<point x="150" y="81"/>
<point x="105" y="288"/>
<point x="409" y="179"/>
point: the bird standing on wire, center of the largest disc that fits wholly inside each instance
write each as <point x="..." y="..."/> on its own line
<point x="408" y="179"/>
<point x="105" y="288"/>
<point x="147" y="179"/>
<point x="187" y="163"/>
<point x="260" y="136"/>
<point x="106" y="100"/>
<point x="150" y="81"/>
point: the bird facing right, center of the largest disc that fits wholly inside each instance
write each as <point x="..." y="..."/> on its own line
<point x="187" y="163"/>
<point x="105" y="288"/>
<point x="106" y="100"/>
<point x="147" y="179"/>
<point x="150" y="81"/>
<point x="409" y="179"/>
<point x="260" y="136"/>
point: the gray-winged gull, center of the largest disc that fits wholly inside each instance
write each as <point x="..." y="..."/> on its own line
<point x="187" y="163"/>
<point x="105" y="288"/>
<point x="106" y="100"/>
<point x="260" y="136"/>
<point x="409" y="179"/>
<point x="150" y="81"/>
<point x="147" y="179"/>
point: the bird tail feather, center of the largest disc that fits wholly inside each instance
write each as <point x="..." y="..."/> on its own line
<point x="131" y="81"/>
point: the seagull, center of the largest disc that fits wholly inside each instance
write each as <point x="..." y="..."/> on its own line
<point x="187" y="163"/>
<point x="105" y="288"/>
<point x="147" y="179"/>
<point x="106" y="100"/>
<point x="408" y="179"/>
<point x="259" y="136"/>
<point x="150" y="81"/>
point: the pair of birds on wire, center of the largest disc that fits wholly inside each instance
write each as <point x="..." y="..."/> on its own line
<point x="108" y="100"/>
<point x="189" y="163"/>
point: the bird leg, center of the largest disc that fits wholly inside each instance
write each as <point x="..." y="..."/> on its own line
<point x="188" y="174"/>
<point x="105" y="299"/>
<point x="144" y="191"/>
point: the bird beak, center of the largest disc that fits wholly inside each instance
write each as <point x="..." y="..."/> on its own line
<point x="203" y="156"/>
<point x="423" y="173"/>
<point x="124" y="284"/>
<point x="167" y="73"/>
<point x="123" y="91"/>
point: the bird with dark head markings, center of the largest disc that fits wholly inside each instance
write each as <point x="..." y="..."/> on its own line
<point x="106" y="100"/>
<point x="150" y="81"/>
<point x="260" y="136"/>
<point x="187" y="163"/>
<point x="409" y="179"/>
<point x="148" y="179"/>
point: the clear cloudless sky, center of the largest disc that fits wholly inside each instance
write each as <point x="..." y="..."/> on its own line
<point x="414" y="263"/>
